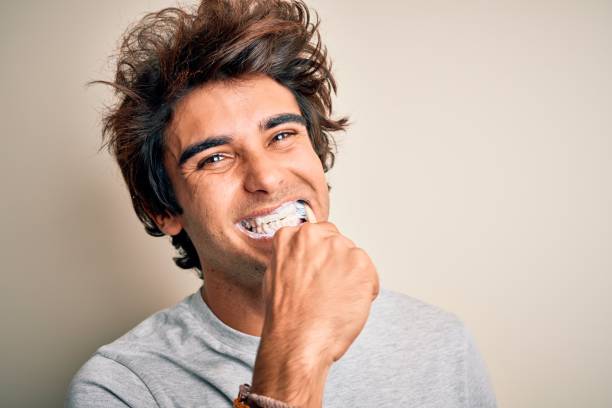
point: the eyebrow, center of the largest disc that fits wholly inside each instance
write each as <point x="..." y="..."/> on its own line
<point x="277" y="120"/>
<point x="198" y="147"/>
<point x="221" y="140"/>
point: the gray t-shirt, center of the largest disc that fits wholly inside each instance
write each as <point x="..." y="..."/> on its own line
<point x="409" y="354"/>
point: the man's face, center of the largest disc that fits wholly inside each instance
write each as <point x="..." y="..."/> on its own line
<point x="259" y="156"/>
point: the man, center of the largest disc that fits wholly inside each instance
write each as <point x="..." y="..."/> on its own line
<point x="222" y="133"/>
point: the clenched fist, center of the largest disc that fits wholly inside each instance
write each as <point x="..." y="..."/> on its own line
<point x="318" y="288"/>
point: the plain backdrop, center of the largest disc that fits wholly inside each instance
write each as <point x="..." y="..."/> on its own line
<point x="477" y="174"/>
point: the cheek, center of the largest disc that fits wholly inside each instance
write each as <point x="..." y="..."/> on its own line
<point x="314" y="167"/>
<point x="208" y="202"/>
<point x="310" y="169"/>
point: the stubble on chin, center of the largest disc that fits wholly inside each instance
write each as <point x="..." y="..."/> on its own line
<point x="248" y="274"/>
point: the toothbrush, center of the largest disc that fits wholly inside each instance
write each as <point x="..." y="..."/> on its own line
<point x="304" y="211"/>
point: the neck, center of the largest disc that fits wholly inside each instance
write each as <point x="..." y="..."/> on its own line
<point x="239" y="307"/>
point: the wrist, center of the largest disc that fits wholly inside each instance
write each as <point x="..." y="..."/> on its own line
<point x="292" y="372"/>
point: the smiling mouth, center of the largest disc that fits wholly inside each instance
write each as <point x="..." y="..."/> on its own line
<point x="289" y="214"/>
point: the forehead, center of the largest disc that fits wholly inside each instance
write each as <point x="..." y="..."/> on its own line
<point x="233" y="108"/>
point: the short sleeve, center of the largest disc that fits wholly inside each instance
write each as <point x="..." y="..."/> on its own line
<point x="479" y="391"/>
<point x="103" y="382"/>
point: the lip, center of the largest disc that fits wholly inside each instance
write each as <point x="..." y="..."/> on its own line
<point x="269" y="210"/>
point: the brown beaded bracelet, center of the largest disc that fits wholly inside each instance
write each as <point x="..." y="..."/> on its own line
<point x="246" y="399"/>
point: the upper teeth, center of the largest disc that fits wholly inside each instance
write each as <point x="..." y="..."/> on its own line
<point x="289" y="214"/>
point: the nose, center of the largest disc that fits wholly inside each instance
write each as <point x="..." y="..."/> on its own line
<point x="263" y="174"/>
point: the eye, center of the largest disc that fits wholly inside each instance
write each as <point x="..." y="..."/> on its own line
<point x="279" y="137"/>
<point x="212" y="159"/>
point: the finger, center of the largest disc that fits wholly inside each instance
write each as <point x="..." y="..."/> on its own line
<point x="283" y="234"/>
<point x="321" y="226"/>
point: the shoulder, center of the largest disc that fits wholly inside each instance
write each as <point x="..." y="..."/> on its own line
<point x="165" y="330"/>
<point x="401" y="312"/>
<point x="429" y="340"/>
<point x="118" y="373"/>
<point x="103" y="382"/>
<point x="401" y="324"/>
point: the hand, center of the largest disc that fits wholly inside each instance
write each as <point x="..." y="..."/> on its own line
<point x="318" y="289"/>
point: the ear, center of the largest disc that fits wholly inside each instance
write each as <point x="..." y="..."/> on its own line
<point x="169" y="224"/>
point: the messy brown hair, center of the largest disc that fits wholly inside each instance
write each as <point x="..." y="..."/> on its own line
<point x="169" y="53"/>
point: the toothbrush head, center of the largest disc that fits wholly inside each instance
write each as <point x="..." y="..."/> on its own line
<point x="306" y="212"/>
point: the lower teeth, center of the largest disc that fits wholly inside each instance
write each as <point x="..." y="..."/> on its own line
<point x="271" y="229"/>
<point x="290" y="218"/>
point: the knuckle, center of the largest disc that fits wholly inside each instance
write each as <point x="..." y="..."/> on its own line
<point x="307" y="226"/>
<point x="359" y="254"/>
<point x="329" y="226"/>
<point x="306" y="230"/>
<point x="362" y="260"/>
<point x="337" y="242"/>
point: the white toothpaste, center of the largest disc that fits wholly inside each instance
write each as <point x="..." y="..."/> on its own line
<point x="287" y="215"/>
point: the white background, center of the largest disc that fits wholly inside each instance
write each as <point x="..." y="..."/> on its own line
<point x="477" y="174"/>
